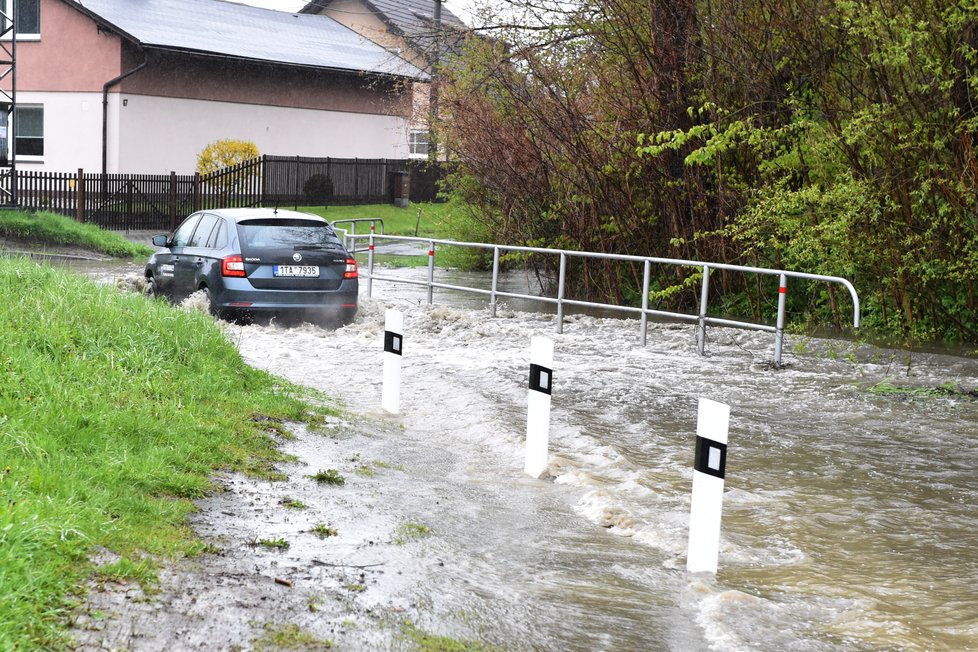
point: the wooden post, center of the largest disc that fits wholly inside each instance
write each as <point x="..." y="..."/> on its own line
<point x="296" y="197"/>
<point x="173" y="200"/>
<point x="196" y="192"/>
<point x="80" y="196"/>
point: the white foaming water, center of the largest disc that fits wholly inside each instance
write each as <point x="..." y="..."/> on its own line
<point x="810" y="454"/>
<point x="848" y="515"/>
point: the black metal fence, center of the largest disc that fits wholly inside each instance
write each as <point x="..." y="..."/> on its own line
<point x="145" y="201"/>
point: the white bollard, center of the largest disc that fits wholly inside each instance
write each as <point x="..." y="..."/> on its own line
<point x="393" y="348"/>
<point x="712" y="424"/>
<point x="538" y="405"/>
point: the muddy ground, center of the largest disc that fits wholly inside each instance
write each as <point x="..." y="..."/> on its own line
<point x="294" y="564"/>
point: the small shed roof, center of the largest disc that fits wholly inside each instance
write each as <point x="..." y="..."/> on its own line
<point x="216" y="27"/>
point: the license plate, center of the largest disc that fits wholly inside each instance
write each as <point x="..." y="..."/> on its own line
<point x="296" y="270"/>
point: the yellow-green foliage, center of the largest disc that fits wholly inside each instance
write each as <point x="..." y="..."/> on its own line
<point x="225" y="153"/>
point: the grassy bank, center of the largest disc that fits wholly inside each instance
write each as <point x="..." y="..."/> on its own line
<point x="51" y="228"/>
<point x="114" y="412"/>
<point x="437" y="220"/>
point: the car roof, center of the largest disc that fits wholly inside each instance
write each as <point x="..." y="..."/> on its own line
<point x="241" y="214"/>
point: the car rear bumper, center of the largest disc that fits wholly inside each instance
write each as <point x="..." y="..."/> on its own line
<point x="239" y="294"/>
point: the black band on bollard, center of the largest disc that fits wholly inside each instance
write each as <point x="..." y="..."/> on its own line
<point x="711" y="457"/>
<point x="393" y="342"/>
<point x="541" y="378"/>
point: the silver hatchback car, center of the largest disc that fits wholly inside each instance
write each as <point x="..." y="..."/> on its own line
<point x="252" y="261"/>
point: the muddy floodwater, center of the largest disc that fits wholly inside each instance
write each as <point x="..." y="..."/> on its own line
<point x="849" y="513"/>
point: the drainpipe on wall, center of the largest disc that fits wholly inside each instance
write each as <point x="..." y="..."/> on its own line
<point x="105" y="111"/>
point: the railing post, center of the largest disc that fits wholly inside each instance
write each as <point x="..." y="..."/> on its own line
<point x="779" y="329"/>
<point x="431" y="271"/>
<point x="560" y="292"/>
<point x="173" y="200"/>
<point x="495" y="277"/>
<point x="701" y="322"/>
<point x="80" y="196"/>
<point x="646" y="278"/>
<point x="129" y="207"/>
<point x="370" y="260"/>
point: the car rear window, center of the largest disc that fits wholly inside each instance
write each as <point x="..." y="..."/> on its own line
<point x="288" y="233"/>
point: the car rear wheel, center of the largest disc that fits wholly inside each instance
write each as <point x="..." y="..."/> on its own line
<point x="152" y="290"/>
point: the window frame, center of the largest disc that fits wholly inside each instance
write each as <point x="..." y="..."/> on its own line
<point x="21" y="36"/>
<point x="418" y="138"/>
<point x="14" y="136"/>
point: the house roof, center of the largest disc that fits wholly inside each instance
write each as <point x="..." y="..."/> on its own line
<point x="216" y="27"/>
<point x="403" y="17"/>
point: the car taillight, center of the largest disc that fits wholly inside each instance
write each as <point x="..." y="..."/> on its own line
<point x="351" y="269"/>
<point x="232" y="266"/>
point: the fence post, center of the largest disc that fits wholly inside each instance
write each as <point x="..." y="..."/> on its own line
<point x="295" y="197"/>
<point x="356" y="178"/>
<point x="80" y="196"/>
<point x="196" y="192"/>
<point x="263" y="172"/>
<point x="173" y="200"/>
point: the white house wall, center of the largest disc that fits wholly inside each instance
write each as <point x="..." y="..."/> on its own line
<point x="161" y="134"/>
<point x="72" y="131"/>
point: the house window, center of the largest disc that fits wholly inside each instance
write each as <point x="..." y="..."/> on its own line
<point x="28" y="131"/>
<point x="26" y="15"/>
<point x="418" y="142"/>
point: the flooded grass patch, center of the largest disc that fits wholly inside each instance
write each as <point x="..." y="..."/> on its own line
<point x="427" y="642"/>
<point x="948" y="390"/>
<point x="329" y="476"/>
<point x="115" y="413"/>
<point x="411" y="531"/>
<point x="274" y="544"/>
<point x="323" y="531"/>
<point x="289" y="637"/>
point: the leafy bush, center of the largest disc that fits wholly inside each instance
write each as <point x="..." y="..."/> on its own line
<point x="318" y="189"/>
<point x="225" y="153"/>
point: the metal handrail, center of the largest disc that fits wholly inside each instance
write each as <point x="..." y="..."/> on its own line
<point x="349" y="238"/>
<point x="701" y="318"/>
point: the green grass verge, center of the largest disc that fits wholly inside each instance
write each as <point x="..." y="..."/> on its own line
<point x="57" y="229"/>
<point x="114" y="413"/>
<point x="436" y="219"/>
<point x="442" y="221"/>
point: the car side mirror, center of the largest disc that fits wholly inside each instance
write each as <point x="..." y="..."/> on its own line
<point x="159" y="241"/>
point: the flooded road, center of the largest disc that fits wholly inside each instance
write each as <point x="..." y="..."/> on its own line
<point x="849" y="510"/>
